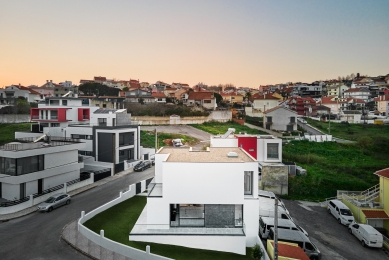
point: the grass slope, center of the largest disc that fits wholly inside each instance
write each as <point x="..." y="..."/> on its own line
<point x="7" y="131"/>
<point x="333" y="166"/>
<point x="147" y="139"/>
<point x="119" y="220"/>
<point x="220" y="128"/>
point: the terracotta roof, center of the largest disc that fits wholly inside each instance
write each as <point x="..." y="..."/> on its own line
<point x="290" y="251"/>
<point x="263" y="96"/>
<point x="158" y="95"/>
<point x="200" y="95"/>
<point x="383" y="173"/>
<point x="277" y="107"/>
<point x="378" y="213"/>
<point x="100" y="78"/>
<point x="357" y="90"/>
<point x="382" y="98"/>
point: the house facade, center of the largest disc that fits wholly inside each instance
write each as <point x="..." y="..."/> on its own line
<point x="303" y="106"/>
<point x="202" y="199"/>
<point x="205" y="99"/>
<point x="382" y="104"/>
<point x="29" y="167"/>
<point x="264" y="102"/>
<point x="9" y="94"/>
<point x="281" y="119"/>
<point x="358" y="93"/>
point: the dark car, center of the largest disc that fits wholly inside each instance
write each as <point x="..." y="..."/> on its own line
<point x="143" y="166"/>
<point x="152" y="161"/>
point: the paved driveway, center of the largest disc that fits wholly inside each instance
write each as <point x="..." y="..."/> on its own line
<point x="332" y="239"/>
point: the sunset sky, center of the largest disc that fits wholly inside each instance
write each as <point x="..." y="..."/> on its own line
<point x="246" y="43"/>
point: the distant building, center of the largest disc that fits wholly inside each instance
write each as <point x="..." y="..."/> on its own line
<point x="281" y="119"/>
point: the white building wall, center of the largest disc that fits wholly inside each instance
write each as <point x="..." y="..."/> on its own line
<point x="159" y="158"/>
<point x="223" y="142"/>
<point x="52" y="181"/>
<point x="31" y="187"/>
<point x="251" y="219"/>
<point x="262" y="149"/>
<point x="281" y="118"/>
<point x="59" y="159"/>
<point x="10" y="191"/>
<point x="158" y="215"/>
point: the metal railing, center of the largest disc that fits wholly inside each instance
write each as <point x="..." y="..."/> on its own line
<point x="36" y="195"/>
<point x="362" y="198"/>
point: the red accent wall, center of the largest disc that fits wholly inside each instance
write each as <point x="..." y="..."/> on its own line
<point x="249" y="144"/>
<point x="62" y="114"/>
<point x="83" y="114"/>
<point x="34" y="112"/>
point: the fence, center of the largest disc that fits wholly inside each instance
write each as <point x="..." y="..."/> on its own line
<point x="36" y="198"/>
<point x="108" y="243"/>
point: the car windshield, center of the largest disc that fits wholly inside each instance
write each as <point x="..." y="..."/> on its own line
<point x="50" y="200"/>
<point x="345" y="212"/>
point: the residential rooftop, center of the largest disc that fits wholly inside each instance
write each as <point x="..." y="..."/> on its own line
<point x="213" y="154"/>
<point x="27" y="143"/>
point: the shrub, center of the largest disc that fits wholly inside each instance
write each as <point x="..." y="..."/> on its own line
<point x="257" y="252"/>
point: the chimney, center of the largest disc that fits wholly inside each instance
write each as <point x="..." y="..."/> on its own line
<point x="47" y="81"/>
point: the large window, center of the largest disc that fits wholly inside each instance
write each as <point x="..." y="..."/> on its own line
<point x="102" y="121"/>
<point x="248" y="182"/>
<point x="272" y="151"/>
<point x="21" y="166"/>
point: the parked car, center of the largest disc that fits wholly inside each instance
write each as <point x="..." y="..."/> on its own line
<point x="54" y="202"/>
<point x="340" y="211"/>
<point x="152" y="161"/>
<point x="301" y="120"/>
<point x="368" y="235"/>
<point x="143" y="166"/>
<point x="265" y="223"/>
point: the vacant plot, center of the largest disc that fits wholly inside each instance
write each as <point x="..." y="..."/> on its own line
<point x="7" y="131"/>
<point x="147" y="139"/>
<point x="220" y="128"/>
<point x="333" y="166"/>
<point x="118" y="221"/>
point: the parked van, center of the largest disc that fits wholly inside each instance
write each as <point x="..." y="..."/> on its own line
<point x="297" y="237"/>
<point x="368" y="235"/>
<point x="270" y="195"/>
<point x="267" y="210"/>
<point x="265" y="223"/>
<point x="340" y="211"/>
<point x="270" y="203"/>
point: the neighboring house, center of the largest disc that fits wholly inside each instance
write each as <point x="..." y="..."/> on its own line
<point x="137" y="94"/>
<point x="44" y="92"/>
<point x="62" y="88"/>
<point x="107" y="102"/>
<point x="169" y="91"/>
<point x="308" y="90"/>
<point x="180" y="85"/>
<point x="359" y="93"/>
<point x="336" y="90"/>
<point x="204" y="98"/>
<point x="372" y="205"/>
<point x="264" y="102"/>
<point x="303" y="106"/>
<point x="323" y="110"/>
<point x="9" y="94"/>
<point x="144" y="84"/>
<point x="382" y="104"/>
<point x="29" y="167"/>
<point x="99" y="79"/>
<point x="266" y="150"/>
<point x="202" y="199"/>
<point x="159" y="97"/>
<point x="109" y="134"/>
<point x="281" y="119"/>
<point x="350" y="116"/>
<point x="340" y="104"/>
<point x="232" y="97"/>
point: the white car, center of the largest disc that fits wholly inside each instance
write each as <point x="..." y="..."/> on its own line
<point x="368" y="235"/>
<point x="301" y="120"/>
<point x="340" y="211"/>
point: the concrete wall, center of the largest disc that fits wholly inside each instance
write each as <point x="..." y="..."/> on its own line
<point x="14" y="118"/>
<point x="275" y="179"/>
<point x="220" y="116"/>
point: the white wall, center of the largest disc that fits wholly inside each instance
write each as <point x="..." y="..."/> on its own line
<point x="158" y="215"/>
<point x="53" y="181"/>
<point x="58" y="159"/>
<point x="251" y="220"/>
<point x="262" y="149"/>
<point x="159" y="158"/>
<point x="233" y="244"/>
<point x="10" y="191"/>
<point x="223" y="142"/>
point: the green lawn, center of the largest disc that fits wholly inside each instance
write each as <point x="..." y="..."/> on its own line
<point x="147" y="139"/>
<point x="351" y="131"/>
<point x="119" y="220"/>
<point x="334" y="166"/>
<point x="220" y="128"/>
<point x="7" y="131"/>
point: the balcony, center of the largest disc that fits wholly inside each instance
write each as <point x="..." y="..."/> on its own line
<point x="154" y="190"/>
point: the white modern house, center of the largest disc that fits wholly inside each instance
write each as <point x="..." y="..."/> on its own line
<point x="28" y="167"/>
<point x="202" y="199"/>
<point x="266" y="150"/>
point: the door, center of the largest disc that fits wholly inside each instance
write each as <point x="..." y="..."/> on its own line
<point x="40" y="186"/>
<point x="22" y="190"/>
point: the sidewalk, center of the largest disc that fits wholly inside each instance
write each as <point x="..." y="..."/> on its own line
<point x="29" y="210"/>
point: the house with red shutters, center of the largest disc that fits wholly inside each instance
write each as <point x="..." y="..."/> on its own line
<point x="303" y="106"/>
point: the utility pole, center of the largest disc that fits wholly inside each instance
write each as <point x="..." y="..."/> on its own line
<point x="156" y="141"/>
<point x="329" y="123"/>
<point x="275" y="229"/>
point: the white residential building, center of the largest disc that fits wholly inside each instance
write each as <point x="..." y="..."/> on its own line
<point x="9" y="94"/>
<point x="281" y="119"/>
<point x="202" y="199"/>
<point x="27" y="167"/>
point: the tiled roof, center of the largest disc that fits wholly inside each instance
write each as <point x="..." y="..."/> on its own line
<point x="200" y="95"/>
<point x="383" y="173"/>
<point x="291" y="251"/>
<point x="356" y="90"/>
<point x="158" y="95"/>
<point x="378" y="213"/>
<point x="263" y="96"/>
<point x="100" y="78"/>
<point x="382" y="98"/>
<point x="277" y="107"/>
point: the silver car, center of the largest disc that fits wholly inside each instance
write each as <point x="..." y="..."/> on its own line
<point x="54" y="202"/>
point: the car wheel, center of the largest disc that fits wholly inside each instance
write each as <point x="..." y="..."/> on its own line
<point x="314" y="258"/>
<point x="67" y="202"/>
<point x="363" y="243"/>
<point x="50" y="209"/>
<point x="339" y="221"/>
<point x="329" y="210"/>
<point x="350" y="231"/>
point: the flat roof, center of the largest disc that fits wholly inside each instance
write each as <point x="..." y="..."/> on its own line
<point x="215" y="154"/>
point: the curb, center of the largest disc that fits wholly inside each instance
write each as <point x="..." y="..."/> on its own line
<point x="73" y="246"/>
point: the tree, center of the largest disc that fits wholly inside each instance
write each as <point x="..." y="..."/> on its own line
<point x="93" y="88"/>
<point x="125" y="89"/>
<point x="141" y="101"/>
<point x="247" y="96"/>
<point x="218" y="97"/>
<point x="22" y="106"/>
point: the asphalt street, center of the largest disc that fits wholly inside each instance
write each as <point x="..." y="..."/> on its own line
<point x="333" y="239"/>
<point x="38" y="235"/>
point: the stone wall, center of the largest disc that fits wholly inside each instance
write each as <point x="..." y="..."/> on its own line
<point x="14" y="118"/>
<point x="219" y="215"/>
<point x="275" y="179"/>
